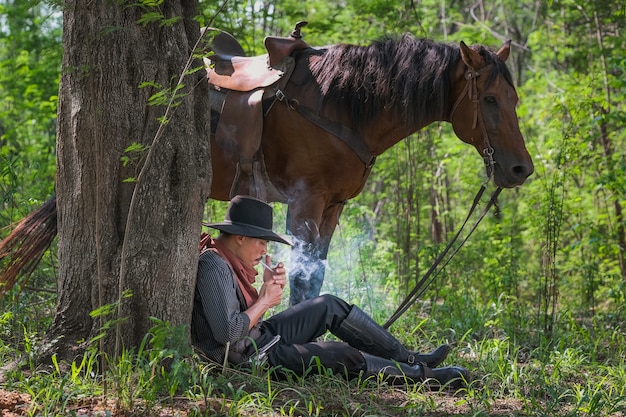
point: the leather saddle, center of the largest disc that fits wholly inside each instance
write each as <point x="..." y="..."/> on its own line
<point x="238" y="87"/>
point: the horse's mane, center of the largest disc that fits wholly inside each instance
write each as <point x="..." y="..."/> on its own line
<point x="409" y="76"/>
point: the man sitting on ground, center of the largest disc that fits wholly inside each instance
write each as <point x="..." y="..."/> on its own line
<point x="228" y="313"/>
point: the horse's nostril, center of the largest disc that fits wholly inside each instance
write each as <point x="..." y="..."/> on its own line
<point x="521" y="171"/>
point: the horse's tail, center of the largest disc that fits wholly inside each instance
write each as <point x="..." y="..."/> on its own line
<point x="21" y="251"/>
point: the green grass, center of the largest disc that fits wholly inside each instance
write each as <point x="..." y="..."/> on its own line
<point x="577" y="368"/>
<point x="573" y="374"/>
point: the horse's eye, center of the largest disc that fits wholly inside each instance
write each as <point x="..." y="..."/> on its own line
<point x="490" y="99"/>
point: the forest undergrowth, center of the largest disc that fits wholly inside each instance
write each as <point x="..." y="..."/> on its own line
<point x="579" y="371"/>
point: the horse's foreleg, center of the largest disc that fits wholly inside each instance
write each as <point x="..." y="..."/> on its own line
<point x="307" y="269"/>
<point x="308" y="259"/>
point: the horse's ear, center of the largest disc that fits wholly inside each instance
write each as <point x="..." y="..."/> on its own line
<point x="471" y="58"/>
<point x="503" y="53"/>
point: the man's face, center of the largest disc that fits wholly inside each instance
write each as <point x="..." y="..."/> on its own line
<point x="251" y="250"/>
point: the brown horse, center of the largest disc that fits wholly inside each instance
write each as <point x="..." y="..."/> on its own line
<point x="345" y="104"/>
<point x="377" y="95"/>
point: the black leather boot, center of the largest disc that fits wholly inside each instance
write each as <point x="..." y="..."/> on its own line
<point x="359" y="330"/>
<point x="397" y="373"/>
<point x="433" y="358"/>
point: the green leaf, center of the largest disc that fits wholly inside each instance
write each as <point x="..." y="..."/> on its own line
<point x="150" y="17"/>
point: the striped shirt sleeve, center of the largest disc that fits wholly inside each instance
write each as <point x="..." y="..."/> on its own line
<point x="218" y="316"/>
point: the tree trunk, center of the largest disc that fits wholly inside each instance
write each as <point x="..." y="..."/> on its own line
<point x="105" y="247"/>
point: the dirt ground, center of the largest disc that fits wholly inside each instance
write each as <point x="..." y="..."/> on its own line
<point x="14" y="404"/>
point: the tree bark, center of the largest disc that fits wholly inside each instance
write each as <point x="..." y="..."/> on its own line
<point x="102" y="111"/>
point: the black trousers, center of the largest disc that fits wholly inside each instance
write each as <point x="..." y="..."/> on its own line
<point x="299" y="327"/>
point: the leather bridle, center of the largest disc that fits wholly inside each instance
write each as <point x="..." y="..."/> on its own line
<point x="470" y="90"/>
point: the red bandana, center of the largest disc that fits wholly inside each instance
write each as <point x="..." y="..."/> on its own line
<point x="245" y="275"/>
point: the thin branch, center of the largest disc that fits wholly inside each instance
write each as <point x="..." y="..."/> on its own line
<point x="503" y="38"/>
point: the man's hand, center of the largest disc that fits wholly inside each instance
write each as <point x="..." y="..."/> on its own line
<point x="277" y="275"/>
<point x="274" y="282"/>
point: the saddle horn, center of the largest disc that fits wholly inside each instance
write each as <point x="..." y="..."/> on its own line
<point x="296" y="32"/>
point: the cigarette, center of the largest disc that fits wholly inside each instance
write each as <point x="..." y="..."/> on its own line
<point x="266" y="266"/>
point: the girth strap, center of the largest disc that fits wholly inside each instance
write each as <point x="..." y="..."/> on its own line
<point x="345" y="134"/>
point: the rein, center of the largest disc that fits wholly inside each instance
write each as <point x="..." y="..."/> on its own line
<point x="427" y="279"/>
<point x="471" y="91"/>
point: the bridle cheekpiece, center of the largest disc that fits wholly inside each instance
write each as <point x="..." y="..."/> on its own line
<point x="471" y="75"/>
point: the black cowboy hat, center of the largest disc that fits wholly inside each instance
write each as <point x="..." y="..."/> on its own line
<point x="249" y="216"/>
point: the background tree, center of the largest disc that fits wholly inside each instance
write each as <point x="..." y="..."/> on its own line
<point x="115" y="234"/>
